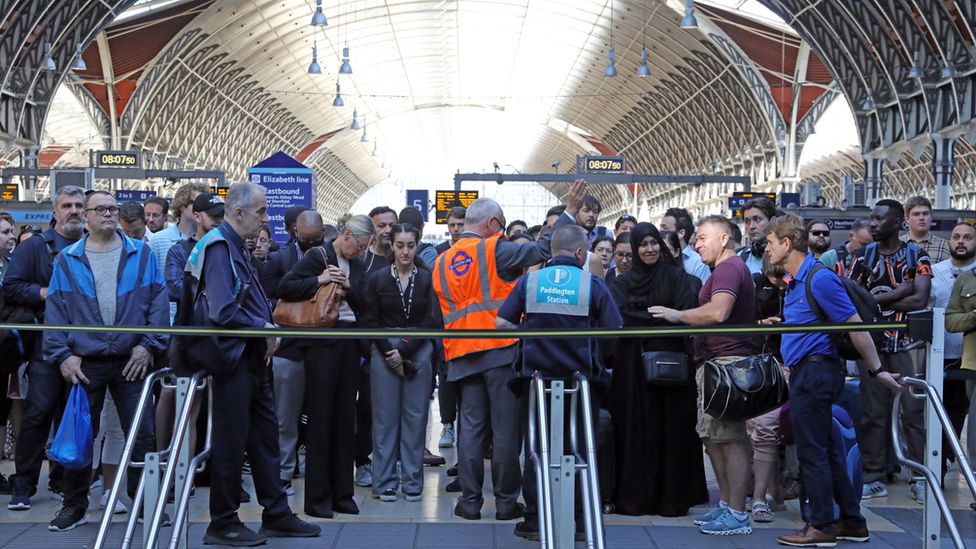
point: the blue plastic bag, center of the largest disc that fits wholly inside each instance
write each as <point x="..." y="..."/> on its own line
<point x="72" y="445"/>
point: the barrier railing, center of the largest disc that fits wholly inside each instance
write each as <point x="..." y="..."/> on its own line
<point x="556" y="494"/>
<point x="928" y="326"/>
<point x="158" y="468"/>
<point x="932" y="480"/>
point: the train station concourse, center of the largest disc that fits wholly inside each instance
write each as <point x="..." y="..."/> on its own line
<point x="349" y="114"/>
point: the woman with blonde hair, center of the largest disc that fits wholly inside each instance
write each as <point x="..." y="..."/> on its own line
<point x="331" y="367"/>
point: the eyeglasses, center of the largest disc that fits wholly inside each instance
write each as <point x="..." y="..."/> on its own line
<point x="819" y="233"/>
<point x="101" y="210"/>
<point x="621" y="255"/>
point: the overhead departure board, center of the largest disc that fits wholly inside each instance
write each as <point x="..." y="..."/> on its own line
<point x="445" y="200"/>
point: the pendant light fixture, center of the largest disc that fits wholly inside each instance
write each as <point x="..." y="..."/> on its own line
<point x="79" y="62"/>
<point x="47" y="63"/>
<point x="868" y="104"/>
<point x="345" y="67"/>
<point x="643" y="70"/>
<point x="355" y="120"/>
<point x="376" y="149"/>
<point x="338" y="102"/>
<point x="915" y="71"/>
<point x="365" y="137"/>
<point x="949" y="71"/>
<point x="318" y="18"/>
<point x="689" y="21"/>
<point x="314" y="67"/>
<point x="611" y="69"/>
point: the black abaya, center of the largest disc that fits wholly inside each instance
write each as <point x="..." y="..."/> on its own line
<point x="659" y="460"/>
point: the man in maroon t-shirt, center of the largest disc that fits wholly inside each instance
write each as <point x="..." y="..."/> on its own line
<point x="728" y="297"/>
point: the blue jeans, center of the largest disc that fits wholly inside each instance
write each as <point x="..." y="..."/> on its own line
<point x="102" y="374"/>
<point x="814" y="387"/>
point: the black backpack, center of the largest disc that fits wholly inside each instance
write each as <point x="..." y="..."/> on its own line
<point x="865" y="304"/>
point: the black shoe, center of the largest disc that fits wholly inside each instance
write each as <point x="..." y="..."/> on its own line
<point x="466" y="515"/>
<point x="68" y="517"/>
<point x="527" y="531"/>
<point x="517" y="512"/>
<point x="433" y="460"/>
<point x="347" y="507"/>
<point x="453" y="487"/>
<point x="290" y="527"/>
<point x="452" y="471"/>
<point x="245" y="495"/>
<point x="236" y="535"/>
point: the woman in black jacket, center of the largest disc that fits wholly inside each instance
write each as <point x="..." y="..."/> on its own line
<point x="331" y="368"/>
<point x="400" y="296"/>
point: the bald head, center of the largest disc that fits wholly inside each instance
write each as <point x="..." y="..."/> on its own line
<point x="308" y="227"/>
<point x="567" y="239"/>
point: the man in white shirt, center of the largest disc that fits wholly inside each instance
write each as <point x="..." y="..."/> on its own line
<point x="186" y="227"/>
<point x="962" y="252"/>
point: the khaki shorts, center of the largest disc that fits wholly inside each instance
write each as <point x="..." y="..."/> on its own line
<point x="713" y="428"/>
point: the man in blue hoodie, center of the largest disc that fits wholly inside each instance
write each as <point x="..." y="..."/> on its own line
<point x="105" y="279"/>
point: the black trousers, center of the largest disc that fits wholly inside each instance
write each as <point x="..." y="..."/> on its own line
<point x="45" y="397"/>
<point x="332" y="373"/>
<point x="244" y="420"/>
<point x="106" y="375"/>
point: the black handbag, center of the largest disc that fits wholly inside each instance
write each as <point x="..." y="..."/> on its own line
<point x="665" y="368"/>
<point x="743" y="389"/>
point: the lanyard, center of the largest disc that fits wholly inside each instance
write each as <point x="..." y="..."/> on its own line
<point x="406" y="299"/>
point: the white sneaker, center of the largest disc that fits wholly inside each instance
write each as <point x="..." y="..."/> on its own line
<point x="120" y="507"/>
<point x="874" y="490"/>
<point x="364" y="475"/>
<point x="918" y="491"/>
<point x="448" y="436"/>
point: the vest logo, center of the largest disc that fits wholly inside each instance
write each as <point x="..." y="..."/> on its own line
<point x="460" y="264"/>
<point x="558" y="276"/>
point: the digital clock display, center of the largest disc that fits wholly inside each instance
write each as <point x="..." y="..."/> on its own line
<point x="604" y="164"/>
<point x="117" y="159"/>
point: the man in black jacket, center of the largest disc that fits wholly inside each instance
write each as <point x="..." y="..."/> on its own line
<point x="288" y="363"/>
<point x="243" y="408"/>
<point x="26" y="284"/>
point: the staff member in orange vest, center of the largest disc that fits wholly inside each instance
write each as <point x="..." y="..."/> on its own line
<point x="472" y="280"/>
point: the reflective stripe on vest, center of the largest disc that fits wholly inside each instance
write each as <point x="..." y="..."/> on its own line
<point x="558" y="290"/>
<point x="466" y="302"/>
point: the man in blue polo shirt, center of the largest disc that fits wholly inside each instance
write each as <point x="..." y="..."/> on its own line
<point x="816" y="383"/>
<point x="560" y="296"/>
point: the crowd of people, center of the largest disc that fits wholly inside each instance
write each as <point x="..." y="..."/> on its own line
<point x="360" y="407"/>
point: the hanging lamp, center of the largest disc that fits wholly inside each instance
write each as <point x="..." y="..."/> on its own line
<point x="314" y="67"/>
<point x="79" y="62"/>
<point x="338" y="102"/>
<point x="47" y="63"/>
<point x="689" y="21"/>
<point x="318" y="18"/>
<point x="611" y="69"/>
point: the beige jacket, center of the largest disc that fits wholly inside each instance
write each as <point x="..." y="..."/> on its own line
<point x="961" y="316"/>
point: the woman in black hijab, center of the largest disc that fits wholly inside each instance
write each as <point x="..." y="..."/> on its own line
<point x="659" y="463"/>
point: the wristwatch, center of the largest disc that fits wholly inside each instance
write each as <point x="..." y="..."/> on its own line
<point x="875" y="373"/>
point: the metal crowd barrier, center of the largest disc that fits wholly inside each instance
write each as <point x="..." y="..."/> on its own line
<point x="932" y="480"/>
<point x="930" y="327"/>
<point x="556" y="493"/>
<point x="159" y="470"/>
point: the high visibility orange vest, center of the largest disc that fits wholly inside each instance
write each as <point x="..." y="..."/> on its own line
<point x="470" y="293"/>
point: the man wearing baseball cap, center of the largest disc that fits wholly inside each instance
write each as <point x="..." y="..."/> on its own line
<point x="208" y="211"/>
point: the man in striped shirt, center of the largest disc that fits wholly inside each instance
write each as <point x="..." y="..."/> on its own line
<point x="918" y="214"/>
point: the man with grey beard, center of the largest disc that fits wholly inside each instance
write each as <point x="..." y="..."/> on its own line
<point x="25" y="284"/>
